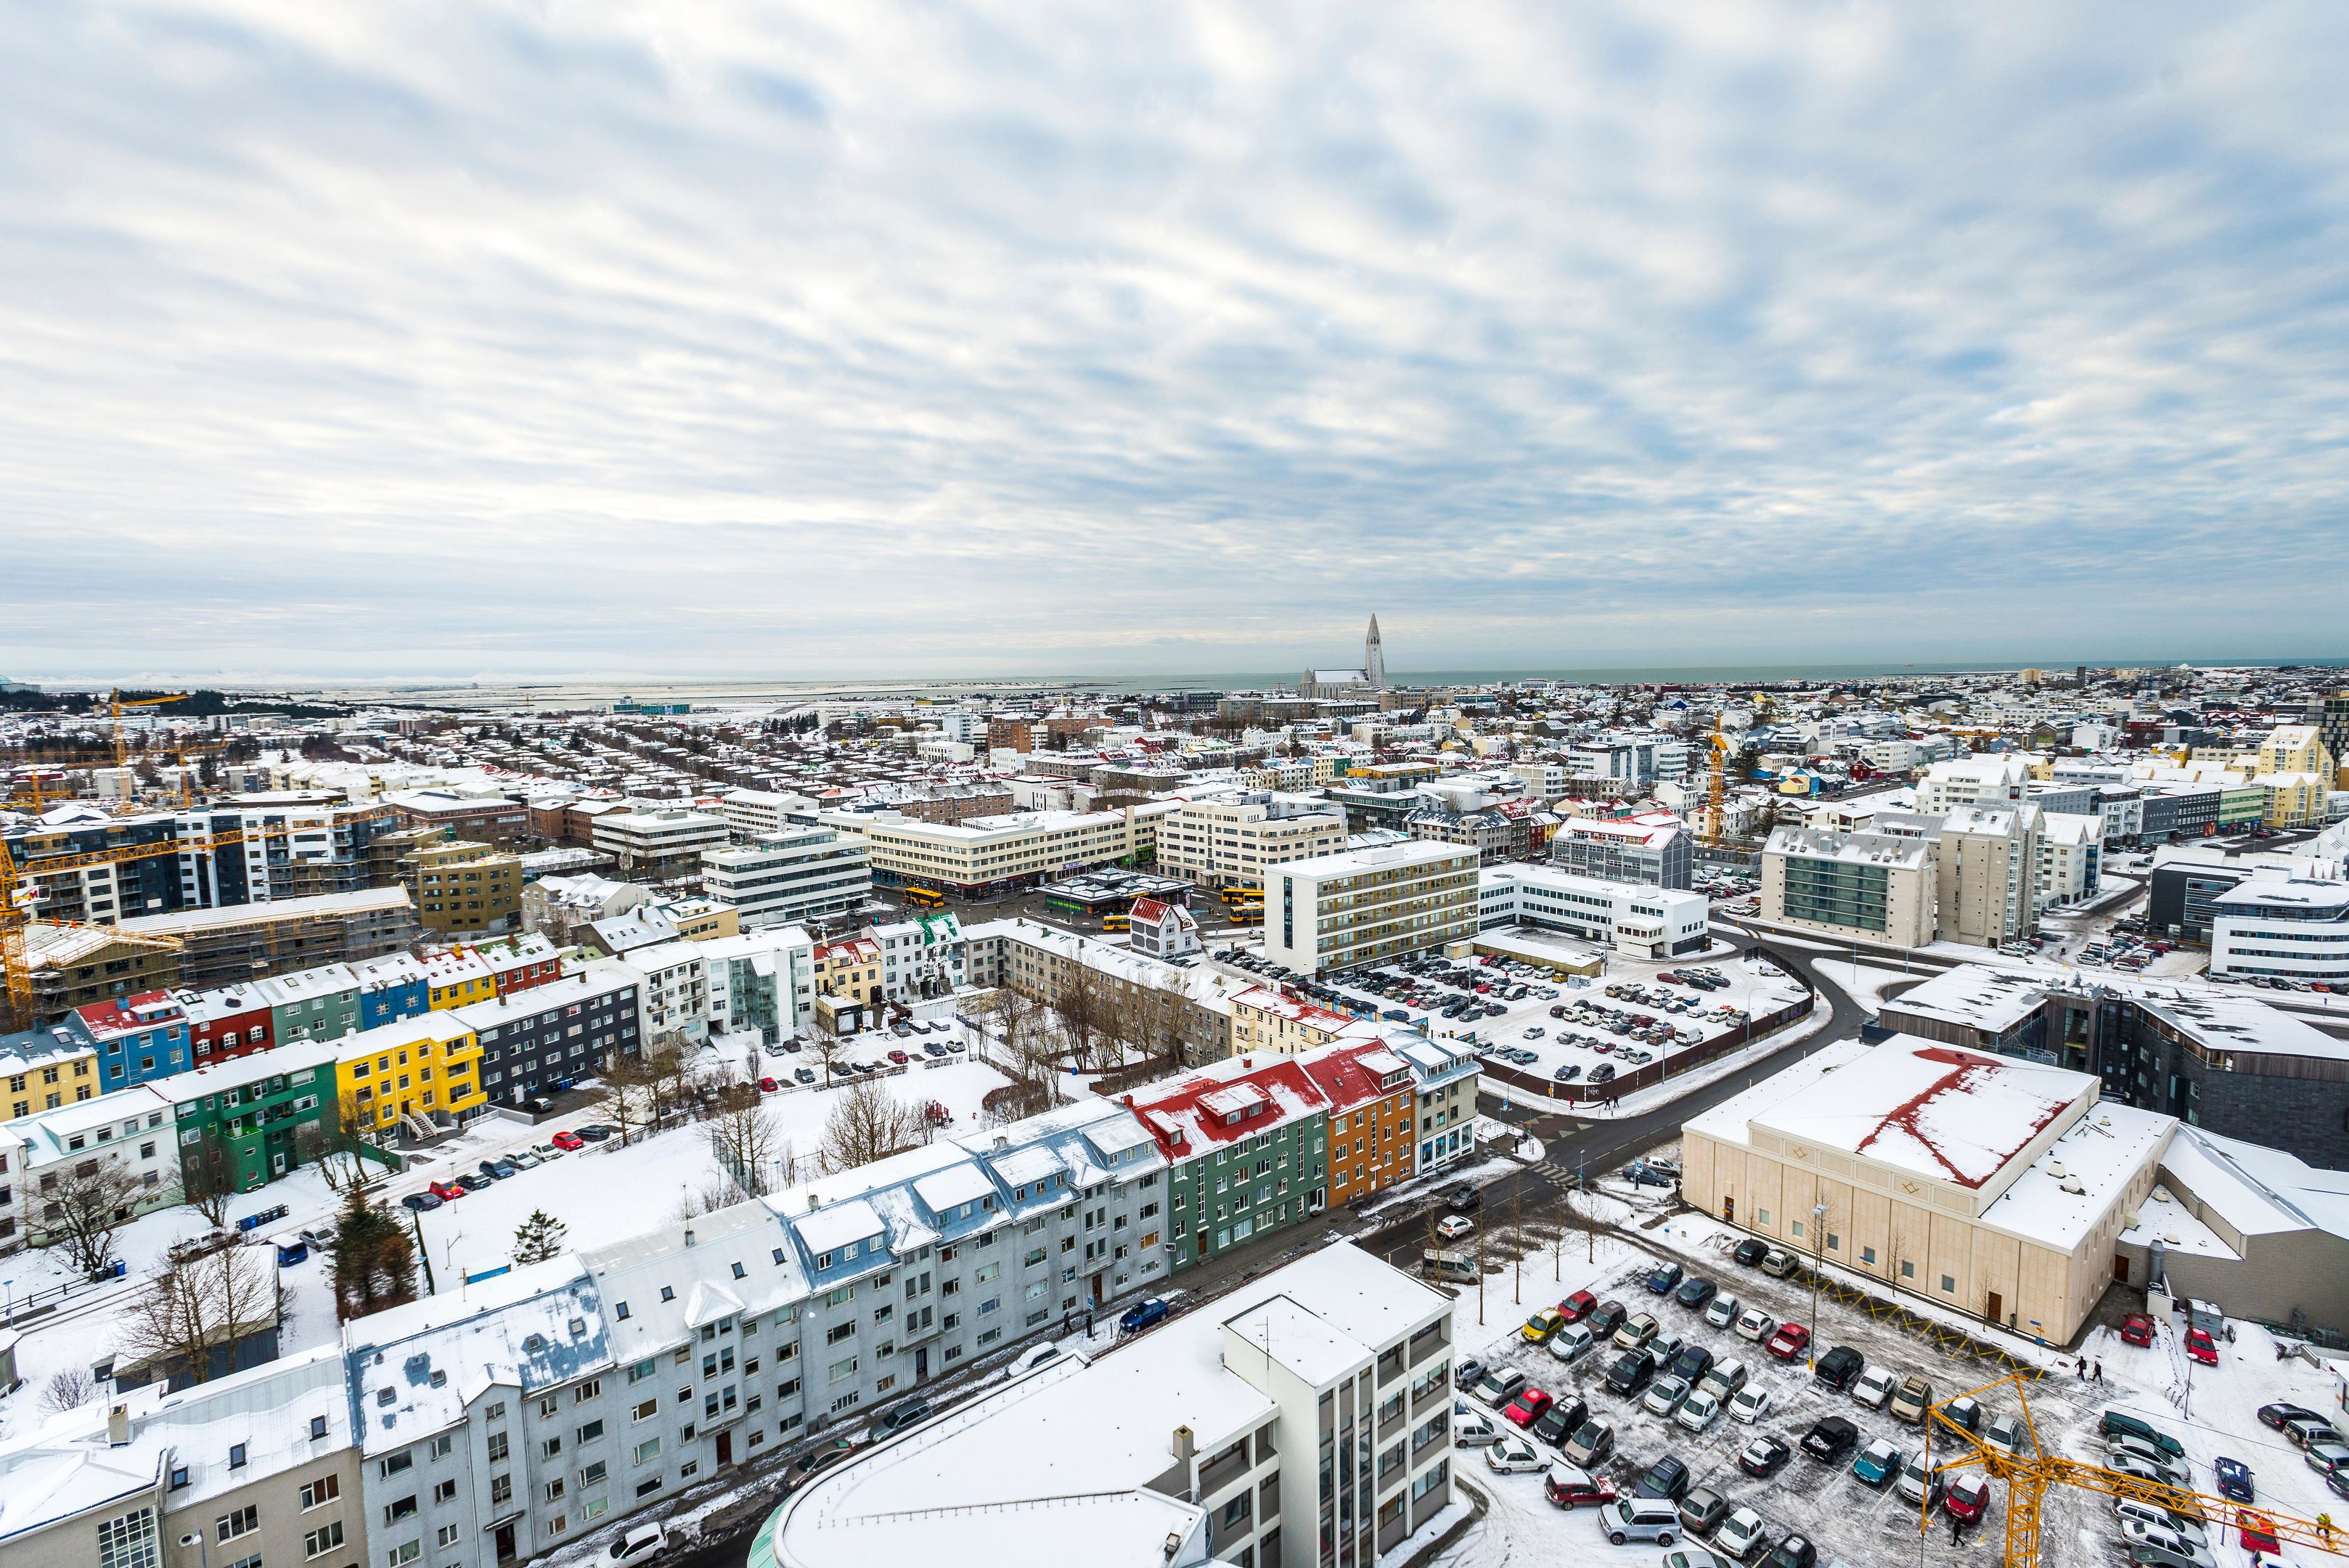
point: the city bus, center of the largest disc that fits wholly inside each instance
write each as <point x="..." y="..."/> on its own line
<point x="1247" y="914"/>
<point x="924" y="898"/>
<point x="1122" y="921"/>
<point x="1237" y="894"/>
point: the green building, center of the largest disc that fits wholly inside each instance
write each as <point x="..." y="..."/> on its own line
<point x="252" y="1119"/>
<point x="1245" y="1142"/>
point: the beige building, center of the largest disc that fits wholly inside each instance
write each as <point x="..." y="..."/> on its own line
<point x="1871" y="886"/>
<point x="1368" y="906"/>
<point x="1264" y="1020"/>
<point x="1219" y="843"/>
<point x="989" y="853"/>
<point x="1186" y="1009"/>
<point x="1988" y="861"/>
<point x="1991" y="1185"/>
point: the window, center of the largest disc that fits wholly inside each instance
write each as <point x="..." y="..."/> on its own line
<point x="647" y="1451"/>
<point x="840" y="1371"/>
<point x="1908" y="1270"/>
<point x="591" y="1389"/>
<point x="445" y="1537"/>
<point x="325" y="1488"/>
<point x="236" y="1455"/>
<point x="593" y="1475"/>
<point x="244" y="1522"/>
<point x="1949" y="1285"/>
<point x="406" y="1551"/>
<point x="317" y="1427"/>
<point x="1762" y="1217"/>
<point x="128" y="1541"/>
<point x="644" y="1410"/>
<point x="497" y="1447"/>
<point x="1867" y="1255"/>
<point x="322" y="1540"/>
<point x="444" y="1492"/>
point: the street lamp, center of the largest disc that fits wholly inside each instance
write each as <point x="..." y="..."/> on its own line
<point x="1818" y="1215"/>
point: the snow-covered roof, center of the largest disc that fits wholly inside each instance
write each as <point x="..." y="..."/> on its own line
<point x="653" y="1284"/>
<point x="836" y="1225"/>
<point x="2101" y="1155"/>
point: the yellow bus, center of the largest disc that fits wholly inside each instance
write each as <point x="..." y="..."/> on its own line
<point x="924" y="898"/>
<point x="1117" y="922"/>
<point x="1249" y="915"/>
<point x="1242" y="895"/>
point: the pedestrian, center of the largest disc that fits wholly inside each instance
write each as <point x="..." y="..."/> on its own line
<point x="2084" y="1369"/>
<point x="2100" y="1369"/>
<point x="1955" y="1524"/>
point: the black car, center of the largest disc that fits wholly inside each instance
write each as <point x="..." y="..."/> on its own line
<point x="1467" y="1201"/>
<point x="420" y="1202"/>
<point x="1606" y="1318"/>
<point x="1750" y="1251"/>
<point x="593" y="1132"/>
<point x="1794" y="1552"/>
<point x="1666" y="1478"/>
<point x="2279" y="1416"/>
<point x="1633" y="1371"/>
<point x="1831" y="1440"/>
<point x="1763" y="1456"/>
<point x="1696" y="1293"/>
<point x="1559" y="1422"/>
<point x="1465" y="1371"/>
<point x="1702" y="1509"/>
<point x="472" y="1181"/>
<point x="1692" y="1363"/>
<point x="1839" y="1368"/>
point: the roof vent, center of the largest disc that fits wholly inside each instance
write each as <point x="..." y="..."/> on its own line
<point x="2076" y="1188"/>
<point x="2162" y="1195"/>
<point x="2056" y="1170"/>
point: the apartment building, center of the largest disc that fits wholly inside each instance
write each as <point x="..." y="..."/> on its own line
<point x="1445" y="1075"/>
<point x="129" y="1130"/>
<point x="42" y="1069"/>
<point x="1368" y="906"/>
<point x="1229" y="840"/>
<point x="486" y="819"/>
<point x="1245" y="1142"/>
<point x="104" y="893"/>
<point x="136" y="1039"/>
<point x="1873" y="886"/>
<point x="753" y="813"/>
<point x="420" y="1075"/>
<point x="762" y="979"/>
<point x="2071" y="858"/>
<point x="790" y="876"/>
<point x="462" y="889"/>
<point x="296" y="845"/>
<point x="1186" y="1008"/>
<point x="242" y="1122"/>
<point x="1208" y="1440"/>
<point x="1638" y="920"/>
<point x="1987" y="861"/>
<point x="320" y="1003"/>
<point x="1275" y="1023"/>
<point x="658" y="845"/>
<point x="2293" y="928"/>
<point x="72" y="966"/>
<point x="927" y="956"/>
<point x="676" y="989"/>
<point x="988" y="855"/>
<point x="1993" y="780"/>
<point x="559" y="907"/>
<point x="225" y="946"/>
<point x="546" y="1037"/>
<point x="1652" y="847"/>
<point x="457" y="977"/>
<point x="1372" y="1097"/>
<point x="391" y="988"/>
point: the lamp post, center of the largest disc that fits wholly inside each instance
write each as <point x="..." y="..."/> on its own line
<point x="1811" y="1350"/>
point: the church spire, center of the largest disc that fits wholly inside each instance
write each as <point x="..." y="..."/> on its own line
<point x="1374" y="659"/>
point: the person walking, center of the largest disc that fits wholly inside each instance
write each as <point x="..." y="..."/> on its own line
<point x="2100" y="1369"/>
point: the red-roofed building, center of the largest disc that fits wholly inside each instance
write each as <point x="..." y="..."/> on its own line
<point x="1245" y="1144"/>
<point x="1370" y="1093"/>
<point x="1265" y="1021"/>
<point x="1161" y="929"/>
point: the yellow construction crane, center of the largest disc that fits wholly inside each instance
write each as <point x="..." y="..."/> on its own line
<point x="116" y="705"/>
<point x="16" y="895"/>
<point x="1716" y="784"/>
<point x="2030" y="1473"/>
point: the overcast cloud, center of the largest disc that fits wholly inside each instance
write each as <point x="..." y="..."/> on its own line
<point x="802" y="341"/>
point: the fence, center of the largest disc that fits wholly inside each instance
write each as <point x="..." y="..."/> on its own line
<point x="1677" y="1064"/>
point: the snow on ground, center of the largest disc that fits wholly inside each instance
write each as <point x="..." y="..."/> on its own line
<point x="1849" y="1521"/>
<point x="606" y="1193"/>
<point x="1864" y="983"/>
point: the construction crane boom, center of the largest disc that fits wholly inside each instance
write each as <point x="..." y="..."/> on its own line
<point x="116" y="705"/>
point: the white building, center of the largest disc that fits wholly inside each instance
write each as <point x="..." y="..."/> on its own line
<point x="923" y="956"/>
<point x="2293" y="928"/>
<point x="1232" y="838"/>
<point x="1201" y="1441"/>
<point x="1996" y="779"/>
<point x="1636" y="919"/>
<point x="1987" y="857"/>
<point x="675" y="989"/>
<point x="1872" y="887"/>
<point x="2071" y="857"/>
<point x="1369" y="906"/>
<point x="132" y="1129"/>
<point x="762" y="979"/>
<point x="1162" y="931"/>
<point x="658" y="844"/>
<point x="789" y="875"/>
<point x="753" y="813"/>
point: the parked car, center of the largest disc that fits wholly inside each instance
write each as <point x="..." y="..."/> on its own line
<point x="1968" y="1496"/>
<point x="1789" y="1342"/>
<point x="1572" y="1342"/>
<point x="1542" y="1326"/>
<point x="1696" y="1293"/>
<point x="2277" y="1414"/>
<point x="1764" y="1456"/>
<point x="1452" y="1227"/>
<point x="1664" y="1395"/>
<point x="1756" y="1324"/>
<point x="1830" y="1440"/>
<point x="1527" y="1407"/>
<point x="1571" y="1487"/>
<point x="897" y="1417"/>
<point x="1919" y="1482"/>
<point x="1750" y="1251"/>
<point x="1741" y="1536"/>
<point x="1792" y="1552"/>
<point x="1514" y="1456"/>
<point x="1749" y="1404"/>
<point x="1465" y="1371"/>
<point x="1877" y="1463"/>
<point x="2303" y="1431"/>
<point x="1472" y="1427"/>
<point x="1666" y="1478"/>
<point x="1577" y="1306"/>
<point x="2007" y="1434"/>
<point x="1779" y="1262"/>
<point x="1142" y="1315"/>
<point x="1839" y="1368"/>
<point x="2137" y="1329"/>
<point x="569" y="1142"/>
<point x="421" y="1202"/>
<point x="1499" y="1386"/>
<point x="1638" y="1333"/>
<point x="1631" y="1373"/>
<point x="1466" y="1200"/>
<point x="2234" y="1478"/>
<point x="1592" y="1441"/>
<point x="1558" y="1423"/>
<point x="1721" y="1311"/>
<point x="1664" y="1278"/>
<point x="1724" y="1377"/>
<point x="1698" y="1410"/>
<point x="1693" y="1362"/>
<point x="1607" y="1318"/>
<point x="1965" y="1410"/>
<point x="2121" y="1423"/>
<point x="1873" y="1388"/>
<point x="2201" y="1346"/>
<point x="1702" y="1509"/>
<point x="1910" y="1405"/>
<point x="2327" y="1457"/>
<point x="1628" y="1519"/>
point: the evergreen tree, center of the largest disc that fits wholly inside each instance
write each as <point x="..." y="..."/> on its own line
<point x="374" y="1261"/>
<point x="538" y="1238"/>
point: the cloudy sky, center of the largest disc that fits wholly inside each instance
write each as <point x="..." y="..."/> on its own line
<point x="804" y="342"/>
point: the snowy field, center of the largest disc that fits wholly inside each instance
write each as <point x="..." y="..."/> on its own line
<point x="1849" y="1521"/>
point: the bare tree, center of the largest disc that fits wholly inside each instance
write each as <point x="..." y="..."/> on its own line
<point x="826" y="1042"/>
<point x="743" y="1140"/>
<point x="1083" y="1006"/>
<point x="628" y="1093"/>
<point x="668" y="1064"/>
<point x="336" y="1145"/>
<point x="208" y="1179"/>
<point x="195" y="1308"/>
<point x="67" y="1389"/>
<point x="868" y="1124"/>
<point x="82" y="1209"/>
<point x="715" y="1193"/>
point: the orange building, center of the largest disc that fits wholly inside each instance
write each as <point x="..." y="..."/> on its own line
<point x="1373" y="1135"/>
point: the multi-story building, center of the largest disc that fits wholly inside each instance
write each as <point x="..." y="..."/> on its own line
<point x="320" y="1003"/>
<point x="72" y="966"/>
<point x="44" y="1154"/>
<point x="295" y="845"/>
<point x="1638" y="920"/>
<point x="1230" y="839"/>
<point x="789" y="876"/>
<point x="849" y="969"/>
<point x="2071" y="858"/>
<point x="136" y="1039"/>
<point x="1870" y="886"/>
<point x="1369" y="906"/>
<point x="1372" y="1102"/>
<point x="485" y="819"/>
<point x="1272" y="1023"/>
<point x="762" y="979"/>
<point x="676" y="989"/>
<point x="462" y="889"/>
<point x="422" y="1075"/>
<point x="104" y="893"/>
<point x="42" y="1069"/>
<point x="1444" y="1073"/>
<point x="1652" y="847"/>
<point x="1987" y="862"/>
<point x="922" y="957"/>
<point x="227" y="946"/>
<point x="537" y="1041"/>
<point x="391" y="988"/>
<point x="519" y="962"/>
<point x="457" y="977"/>
<point x="753" y="813"/>
<point x="233" y="1021"/>
<point x="1301" y="1421"/>
<point x="1246" y="1143"/>
<point x="1996" y="780"/>
<point x="2293" y="927"/>
<point x="658" y="845"/>
<point x="245" y="1121"/>
<point x="560" y="907"/>
<point x="1186" y="1010"/>
<point x="997" y="854"/>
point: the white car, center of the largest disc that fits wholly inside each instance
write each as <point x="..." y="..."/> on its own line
<point x="1749" y="1404"/>
<point x="1572" y="1343"/>
<point x="547" y="1153"/>
<point x="1698" y="1410"/>
<point x="1452" y="1227"/>
<point x="1741" y="1535"/>
<point x="2144" y="1512"/>
<point x="638" y="1545"/>
<point x="1514" y="1456"/>
<point x="523" y="1157"/>
<point x="1471" y="1428"/>
<point x="1756" y="1324"/>
<point x="2138" y="1531"/>
<point x="1721" y="1311"/>
<point x="1874" y="1388"/>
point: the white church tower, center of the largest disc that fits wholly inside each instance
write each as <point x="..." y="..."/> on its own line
<point x="1374" y="658"/>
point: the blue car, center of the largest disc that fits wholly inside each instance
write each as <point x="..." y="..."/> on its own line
<point x="1665" y="1276"/>
<point x="2234" y="1478"/>
<point x="1138" y="1318"/>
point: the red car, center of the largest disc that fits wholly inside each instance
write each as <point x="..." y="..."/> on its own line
<point x="767" y="1086"/>
<point x="569" y="1142"/>
<point x="445" y="1191"/>
<point x="1791" y="1340"/>
<point x="2201" y="1347"/>
<point x="1571" y="1487"/>
<point x="899" y="1057"/>
<point x="2258" y="1532"/>
<point x="2137" y="1329"/>
<point x="1967" y="1498"/>
<point x="1577" y="1306"/>
<point x="1530" y="1405"/>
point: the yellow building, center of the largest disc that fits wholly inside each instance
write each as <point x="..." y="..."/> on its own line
<point x="2293" y="799"/>
<point x="422" y="1069"/>
<point x="458" y="978"/>
<point x="46" y="1081"/>
<point x="1264" y="1022"/>
<point x="700" y="919"/>
<point x="2295" y="749"/>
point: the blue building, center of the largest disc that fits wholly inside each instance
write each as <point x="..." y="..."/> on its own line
<point x="137" y="1039"/>
<point x="391" y="988"/>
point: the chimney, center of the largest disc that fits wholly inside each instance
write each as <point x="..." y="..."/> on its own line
<point x="1185" y="1450"/>
<point x="117" y="1426"/>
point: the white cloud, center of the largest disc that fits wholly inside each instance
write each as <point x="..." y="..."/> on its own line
<point x="749" y="340"/>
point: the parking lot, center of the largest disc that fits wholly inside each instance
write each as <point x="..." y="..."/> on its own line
<point x="1845" y="1519"/>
